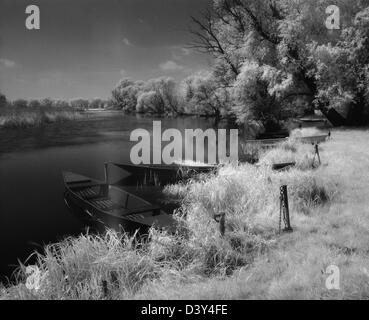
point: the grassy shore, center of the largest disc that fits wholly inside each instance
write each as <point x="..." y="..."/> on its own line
<point x="329" y="214"/>
<point x="18" y="117"/>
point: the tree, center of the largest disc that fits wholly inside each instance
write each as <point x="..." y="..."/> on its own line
<point x="206" y="95"/>
<point x="255" y="96"/>
<point x="3" y="101"/>
<point x="97" y="103"/>
<point x="46" y="103"/>
<point x="166" y="94"/>
<point x="20" y="103"/>
<point x="276" y="35"/>
<point x="150" y="102"/>
<point x="342" y="71"/>
<point x="79" y="104"/>
<point x="34" y="103"/>
<point x="61" y="104"/>
<point x="126" y="93"/>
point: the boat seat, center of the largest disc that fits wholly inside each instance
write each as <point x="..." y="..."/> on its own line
<point x="156" y="210"/>
<point x="79" y="181"/>
<point x="88" y="194"/>
<point x="105" y="204"/>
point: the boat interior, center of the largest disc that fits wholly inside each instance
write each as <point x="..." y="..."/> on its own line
<point x="111" y="199"/>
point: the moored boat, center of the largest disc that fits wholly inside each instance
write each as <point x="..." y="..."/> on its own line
<point x="113" y="206"/>
<point x="161" y="175"/>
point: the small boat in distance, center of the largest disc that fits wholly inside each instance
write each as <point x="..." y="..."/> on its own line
<point x="271" y="143"/>
<point x="113" y="206"/>
<point x="161" y="175"/>
<point x="313" y="139"/>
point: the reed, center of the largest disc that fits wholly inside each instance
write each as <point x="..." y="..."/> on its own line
<point x="20" y="117"/>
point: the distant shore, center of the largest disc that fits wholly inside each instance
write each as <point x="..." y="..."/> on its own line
<point x="11" y="117"/>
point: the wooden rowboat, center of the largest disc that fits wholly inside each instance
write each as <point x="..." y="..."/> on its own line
<point x="283" y="166"/>
<point x="313" y="139"/>
<point x="113" y="206"/>
<point x="160" y="175"/>
<point x="270" y="143"/>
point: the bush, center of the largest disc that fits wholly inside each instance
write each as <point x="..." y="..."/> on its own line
<point x="150" y="102"/>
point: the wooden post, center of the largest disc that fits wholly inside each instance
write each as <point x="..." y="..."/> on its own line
<point x="104" y="190"/>
<point x="285" y="209"/>
<point x="317" y="153"/>
<point x="106" y="171"/>
<point x="221" y="221"/>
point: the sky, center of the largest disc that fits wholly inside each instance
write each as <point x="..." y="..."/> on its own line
<point x="84" y="47"/>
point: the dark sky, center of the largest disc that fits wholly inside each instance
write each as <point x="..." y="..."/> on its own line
<point x="85" y="46"/>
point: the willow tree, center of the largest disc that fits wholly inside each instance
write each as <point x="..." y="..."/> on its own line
<point x="205" y="95"/>
<point x="281" y="36"/>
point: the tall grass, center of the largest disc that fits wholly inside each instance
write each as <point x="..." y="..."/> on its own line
<point x="87" y="267"/>
<point x="197" y="261"/>
<point x="303" y="155"/>
<point x="291" y="150"/>
<point x="17" y="117"/>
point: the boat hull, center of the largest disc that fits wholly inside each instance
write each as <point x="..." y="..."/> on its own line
<point x="113" y="207"/>
<point x="155" y="175"/>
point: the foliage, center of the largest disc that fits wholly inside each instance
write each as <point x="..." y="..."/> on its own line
<point x="125" y="94"/>
<point x="19" y="103"/>
<point x="204" y="94"/>
<point x="3" y="101"/>
<point x="79" y="104"/>
<point x="156" y="96"/>
<point x="276" y="54"/>
<point x="342" y="70"/>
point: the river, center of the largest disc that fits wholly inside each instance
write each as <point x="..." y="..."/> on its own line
<point x="32" y="208"/>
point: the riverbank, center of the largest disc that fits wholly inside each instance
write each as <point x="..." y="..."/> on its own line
<point x="20" y="117"/>
<point x="252" y="261"/>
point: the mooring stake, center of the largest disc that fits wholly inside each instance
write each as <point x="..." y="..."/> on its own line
<point x="316" y="154"/>
<point x="106" y="171"/>
<point x="284" y="210"/>
<point x="220" y="218"/>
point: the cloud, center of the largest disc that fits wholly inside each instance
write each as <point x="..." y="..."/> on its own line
<point x="170" y="66"/>
<point x="127" y="42"/>
<point x="186" y="51"/>
<point x="6" y="63"/>
<point x="179" y="52"/>
<point x="123" y="73"/>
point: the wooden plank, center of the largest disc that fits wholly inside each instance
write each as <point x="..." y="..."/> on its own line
<point x="281" y="166"/>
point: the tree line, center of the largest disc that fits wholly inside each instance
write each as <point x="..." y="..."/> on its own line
<point x="273" y="59"/>
<point x="77" y="104"/>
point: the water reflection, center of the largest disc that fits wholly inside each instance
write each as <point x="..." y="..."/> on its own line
<point x="32" y="204"/>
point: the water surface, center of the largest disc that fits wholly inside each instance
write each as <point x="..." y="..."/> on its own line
<point x="32" y="208"/>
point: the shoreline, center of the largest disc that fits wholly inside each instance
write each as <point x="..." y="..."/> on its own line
<point x="324" y="210"/>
